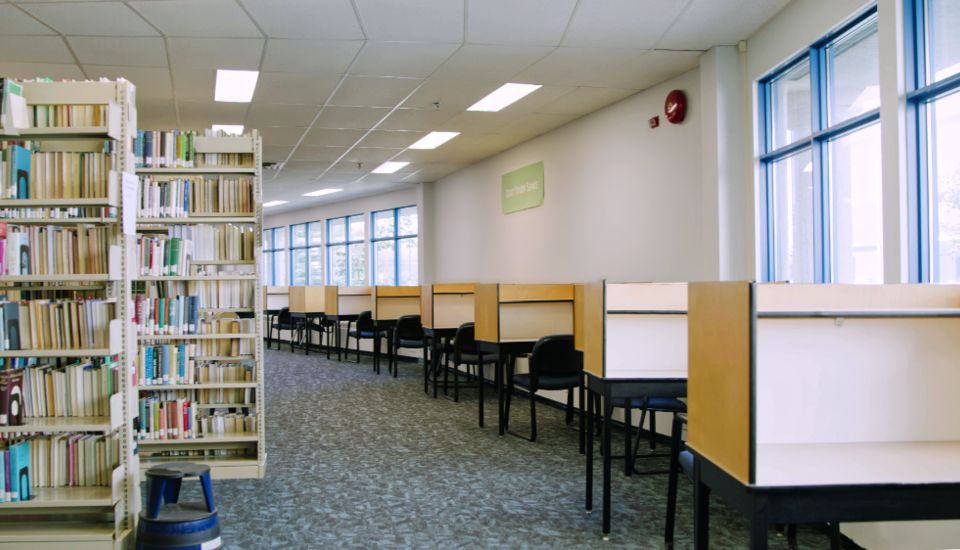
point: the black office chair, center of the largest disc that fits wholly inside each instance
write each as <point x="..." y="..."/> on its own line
<point x="465" y="353"/>
<point x="365" y="330"/>
<point x="683" y="459"/>
<point x="554" y="365"/>
<point x="284" y="322"/>
<point x="652" y="405"/>
<point x="308" y="327"/>
<point x="407" y="334"/>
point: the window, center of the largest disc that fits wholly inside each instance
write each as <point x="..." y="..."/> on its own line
<point x="306" y="245"/>
<point x="933" y="57"/>
<point x="274" y="257"/>
<point x="395" y="257"/>
<point x="821" y="189"/>
<point x="346" y="258"/>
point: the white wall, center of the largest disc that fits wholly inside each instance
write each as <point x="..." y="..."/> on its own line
<point x="622" y="201"/>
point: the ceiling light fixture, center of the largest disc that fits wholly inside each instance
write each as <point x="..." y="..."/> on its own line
<point x="434" y="140"/>
<point x="273" y="203"/>
<point x="321" y="192"/>
<point x="389" y="167"/>
<point x="235" y="86"/>
<point x="235" y="129"/>
<point x="503" y="96"/>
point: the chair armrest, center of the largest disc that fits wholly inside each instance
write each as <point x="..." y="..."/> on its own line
<point x="681" y="417"/>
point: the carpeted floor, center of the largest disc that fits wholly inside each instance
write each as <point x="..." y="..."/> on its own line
<point x="357" y="460"/>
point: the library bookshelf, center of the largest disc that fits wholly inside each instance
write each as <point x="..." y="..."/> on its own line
<point x="80" y="517"/>
<point x="207" y="448"/>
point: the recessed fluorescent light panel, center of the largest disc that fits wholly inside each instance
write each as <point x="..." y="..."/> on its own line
<point x="321" y="192"/>
<point x="229" y="128"/>
<point x="273" y="203"/>
<point x="503" y="96"/>
<point x="235" y="86"/>
<point x="434" y="140"/>
<point x="389" y="167"/>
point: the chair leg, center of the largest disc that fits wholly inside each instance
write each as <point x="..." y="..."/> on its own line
<point x="628" y="431"/>
<point x="653" y="430"/>
<point x="583" y="418"/>
<point x="835" y="536"/>
<point x="456" y="380"/>
<point x="570" y="406"/>
<point x="792" y="536"/>
<point x="533" y="415"/>
<point x="672" y="485"/>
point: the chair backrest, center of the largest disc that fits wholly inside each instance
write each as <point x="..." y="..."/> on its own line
<point x="554" y="356"/>
<point x="284" y="316"/>
<point x="365" y="322"/>
<point x="409" y="328"/>
<point x="464" y="341"/>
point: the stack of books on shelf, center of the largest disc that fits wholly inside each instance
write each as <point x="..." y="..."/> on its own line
<point x="55" y="325"/>
<point x="180" y="419"/>
<point x="67" y="116"/>
<point x="69" y="459"/>
<point x="177" y="149"/>
<point x="15" y="470"/>
<point x="76" y="390"/>
<point x="195" y="196"/>
<point x="217" y="294"/>
<point x="214" y="397"/>
<point x="54" y="250"/>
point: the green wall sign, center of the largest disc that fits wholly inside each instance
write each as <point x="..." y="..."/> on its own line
<point x="522" y="188"/>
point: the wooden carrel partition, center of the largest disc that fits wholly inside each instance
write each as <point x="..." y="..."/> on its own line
<point x="505" y="313"/>
<point x="276" y="297"/>
<point x="348" y="300"/>
<point x="447" y="305"/>
<point x="390" y="303"/>
<point x="307" y="299"/>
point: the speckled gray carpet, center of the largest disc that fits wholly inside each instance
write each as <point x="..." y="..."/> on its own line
<point x="357" y="460"/>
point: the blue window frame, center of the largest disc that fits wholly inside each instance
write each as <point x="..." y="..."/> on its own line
<point x="820" y="188"/>
<point x="274" y="257"/>
<point x="395" y="246"/>
<point x="933" y="109"/>
<point x="346" y="251"/>
<point x="306" y="254"/>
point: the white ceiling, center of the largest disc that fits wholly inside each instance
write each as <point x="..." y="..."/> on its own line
<point x="355" y="81"/>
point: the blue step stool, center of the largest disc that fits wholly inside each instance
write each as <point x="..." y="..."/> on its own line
<point x="175" y="526"/>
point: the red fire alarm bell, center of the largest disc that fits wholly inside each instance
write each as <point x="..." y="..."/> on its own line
<point x="676" y="106"/>
<point x="654" y="122"/>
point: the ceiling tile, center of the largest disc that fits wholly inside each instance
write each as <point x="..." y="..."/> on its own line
<point x="194" y="84"/>
<point x="465" y="156"/>
<point x="480" y="123"/>
<point x="585" y="100"/>
<point x="326" y="137"/>
<point x="306" y="165"/>
<point x="55" y="71"/>
<point x="649" y="69"/>
<point x="15" y="22"/>
<point x="271" y="114"/>
<point x="200" y="115"/>
<point x="421" y="21"/>
<point x="287" y="176"/>
<point x="294" y="88"/>
<point x="391" y="138"/>
<point x="415" y="59"/>
<point x="536" y="123"/>
<point x="273" y="135"/>
<point x="151" y="82"/>
<point x="490" y="63"/>
<point x="342" y="172"/>
<point x="203" y="18"/>
<point x="501" y="142"/>
<point x="525" y="22"/>
<point x="216" y="53"/>
<point x="383" y="178"/>
<point x="455" y="95"/>
<point x="539" y="98"/>
<point x="116" y="50"/>
<point x="92" y="19"/>
<point x="373" y="91"/>
<point x="155" y="114"/>
<point x="329" y="154"/>
<point x="328" y="19"/>
<point x="362" y="118"/>
<point x="718" y="22"/>
<point x="416" y="120"/>
<point x="575" y="66"/>
<point x="276" y="153"/>
<point x="34" y="49"/>
<point x="435" y="171"/>
<point x="371" y="156"/>
<point x="622" y="23"/>
<point x="310" y="56"/>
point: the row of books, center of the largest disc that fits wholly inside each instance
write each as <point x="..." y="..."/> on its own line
<point x="27" y="174"/>
<point x="53" y="250"/>
<point x="15" y="472"/>
<point x="58" y="213"/>
<point x="180" y="419"/>
<point x="224" y="347"/>
<point x="165" y="256"/>
<point x="166" y="316"/>
<point x="195" y="196"/>
<point x="175" y="365"/>
<point x="67" y="116"/>
<point x="9" y="87"/>
<point x="227" y="242"/>
<point x="77" y="390"/>
<point x="70" y="459"/>
<point x="51" y="325"/>
<point x="227" y="397"/>
<point x="211" y="294"/>
<point x="177" y="149"/>
<point x="166" y="456"/>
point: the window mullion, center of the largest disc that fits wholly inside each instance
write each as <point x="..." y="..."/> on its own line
<point x="818" y="114"/>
